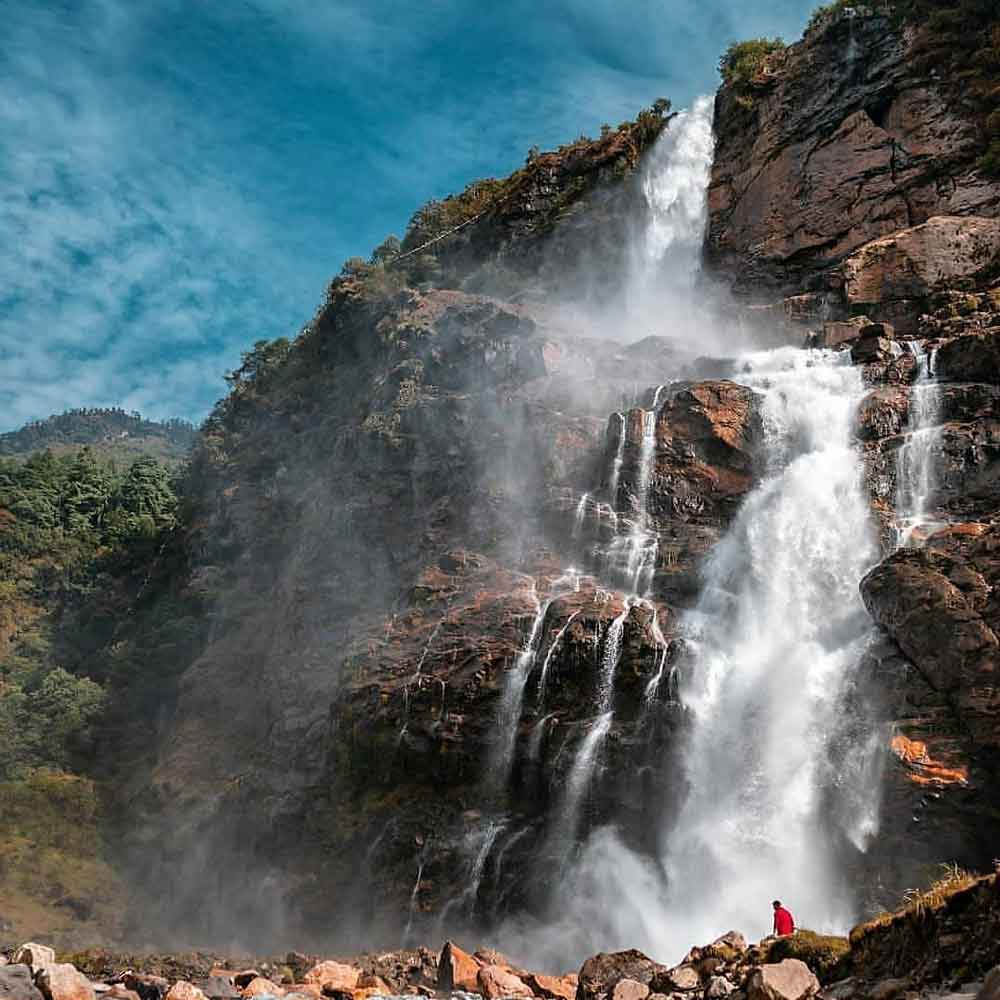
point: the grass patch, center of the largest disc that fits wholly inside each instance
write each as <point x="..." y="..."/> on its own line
<point x="918" y="902"/>
<point x="823" y="953"/>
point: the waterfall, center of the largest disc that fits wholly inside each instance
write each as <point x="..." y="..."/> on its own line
<point x="666" y="254"/>
<point x="512" y="700"/>
<point x="616" y="464"/>
<point x="548" y="657"/>
<point x="777" y="634"/>
<point x="916" y="459"/>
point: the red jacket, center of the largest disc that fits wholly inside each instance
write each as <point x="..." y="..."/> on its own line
<point x="783" y="922"/>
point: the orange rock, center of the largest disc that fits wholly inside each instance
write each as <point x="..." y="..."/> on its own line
<point x="259" y="986"/>
<point x="119" y="992"/>
<point x="63" y="982"/>
<point x="552" y="987"/>
<point x="182" y="990"/>
<point x="369" y="981"/>
<point x="495" y="982"/>
<point x="335" y="975"/>
<point x="457" y="970"/>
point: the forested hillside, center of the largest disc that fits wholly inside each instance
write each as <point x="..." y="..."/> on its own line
<point x="80" y="536"/>
<point x="112" y="433"/>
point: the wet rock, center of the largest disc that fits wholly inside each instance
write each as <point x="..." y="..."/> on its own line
<point x="937" y="606"/>
<point x="457" y="970"/>
<point x="599" y="973"/>
<point x="974" y="357"/>
<point x="552" y="987"/>
<point x="882" y="414"/>
<point x="333" y="975"/>
<point x="16" y="983"/>
<point x="62" y="981"/>
<point x="629" y="989"/>
<point x="36" y="956"/>
<point x="495" y="981"/>
<point x="874" y="343"/>
<point x="789" y="979"/>
<point x="842" y="333"/>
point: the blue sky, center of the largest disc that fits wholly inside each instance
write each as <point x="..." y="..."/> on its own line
<point x="179" y="179"/>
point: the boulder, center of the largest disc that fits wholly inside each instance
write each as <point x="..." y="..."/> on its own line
<point x="718" y="988"/>
<point x="875" y="342"/>
<point x="119" y="992"/>
<point x="888" y="989"/>
<point x="991" y="987"/>
<point x="842" y="333"/>
<point x="244" y="977"/>
<point x="335" y="975"/>
<point x="183" y="990"/>
<point x="787" y="980"/>
<point x="495" y="981"/>
<point x="684" y="977"/>
<point x="16" y="983"/>
<point x="218" y="987"/>
<point x="457" y="970"/>
<point x="148" y="987"/>
<point x="552" y="987"/>
<point x="261" y="987"/>
<point x="62" y="981"/>
<point x="629" y="989"/>
<point x="36" y="956"/>
<point x="882" y="413"/>
<point x="600" y="972"/>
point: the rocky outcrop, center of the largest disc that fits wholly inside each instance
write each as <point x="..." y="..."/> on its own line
<point x="845" y="140"/>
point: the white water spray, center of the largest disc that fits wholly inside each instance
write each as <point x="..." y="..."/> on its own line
<point x="917" y="458"/>
<point x="780" y="630"/>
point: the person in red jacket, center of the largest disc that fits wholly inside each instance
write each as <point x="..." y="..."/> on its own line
<point x="784" y="923"/>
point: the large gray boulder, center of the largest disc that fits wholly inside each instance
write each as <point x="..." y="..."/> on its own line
<point x="16" y="983"/>
<point x="789" y="979"/>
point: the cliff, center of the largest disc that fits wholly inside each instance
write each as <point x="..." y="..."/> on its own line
<point x="393" y="666"/>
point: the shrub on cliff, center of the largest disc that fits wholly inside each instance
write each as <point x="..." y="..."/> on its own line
<point x="745" y="65"/>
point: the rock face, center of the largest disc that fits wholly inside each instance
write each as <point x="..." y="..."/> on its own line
<point x="847" y="140"/>
<point x="942" y="253"/>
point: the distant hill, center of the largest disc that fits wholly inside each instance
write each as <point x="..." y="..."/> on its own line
<point x="111" y="433"/>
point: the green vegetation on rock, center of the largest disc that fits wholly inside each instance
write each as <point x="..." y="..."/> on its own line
<point x="823" y="953"/>
<point x="745" y="65"/>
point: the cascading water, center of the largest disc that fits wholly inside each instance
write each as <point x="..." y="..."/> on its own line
<point x="666" y="254"/>
<point x="771" y="649"/>
<point x="777" y="634"/>
<point x="512" y="700"/>
<point x="916" y="459"/>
